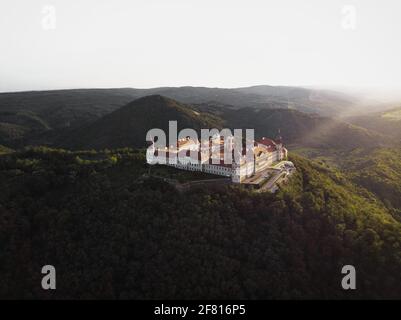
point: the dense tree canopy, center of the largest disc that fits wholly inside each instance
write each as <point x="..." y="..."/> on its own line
<point x="112" y="234"/>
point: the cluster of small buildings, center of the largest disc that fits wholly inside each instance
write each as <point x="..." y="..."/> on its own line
<point x="211" y="156"/>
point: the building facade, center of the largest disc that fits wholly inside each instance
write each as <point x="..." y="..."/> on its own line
<point x="211" y="157"/>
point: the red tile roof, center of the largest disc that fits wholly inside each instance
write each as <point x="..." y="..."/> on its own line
<point x="266" y="141"/>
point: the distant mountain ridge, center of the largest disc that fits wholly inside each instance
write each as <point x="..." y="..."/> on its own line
<point x="72" y="108"/>
<point x="100" y="118"/>
<point x="268" y="97"/>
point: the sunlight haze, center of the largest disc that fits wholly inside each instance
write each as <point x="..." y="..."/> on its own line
<point x="200" y="43"/>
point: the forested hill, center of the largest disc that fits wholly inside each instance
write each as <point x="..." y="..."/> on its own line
<point x="386" y="122"/>
<point x="127" y="126"/>
<point x="112" y="235"/>
<point x="378" y="170"/>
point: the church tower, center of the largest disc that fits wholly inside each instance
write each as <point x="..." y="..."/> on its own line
<point x="279" y="142"/>
<point x="279" y="139"/>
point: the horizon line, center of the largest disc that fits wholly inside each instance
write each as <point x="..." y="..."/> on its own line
<point x="338" y="88"/>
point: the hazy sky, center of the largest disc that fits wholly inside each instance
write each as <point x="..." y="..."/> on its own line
<point x="149" y="43"/>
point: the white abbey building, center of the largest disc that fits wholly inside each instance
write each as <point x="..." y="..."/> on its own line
<point x="211" y="159"/>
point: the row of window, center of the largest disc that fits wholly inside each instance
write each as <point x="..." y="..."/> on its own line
<point x="206" y="168"/>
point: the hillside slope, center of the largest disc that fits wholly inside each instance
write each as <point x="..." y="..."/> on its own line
<point x="375" y="169"/>
<point x="386" y="122"/>
<point x="378" y="170"/>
